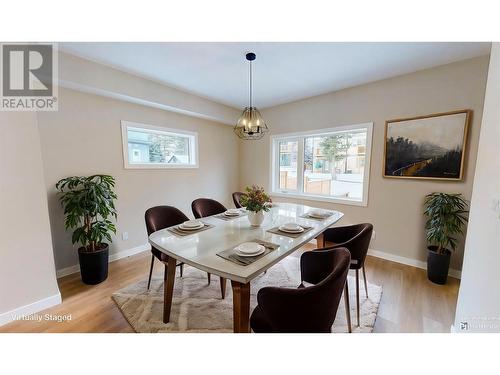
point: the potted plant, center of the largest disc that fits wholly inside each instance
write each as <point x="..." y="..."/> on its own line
<point x="446" y="216"/>
<point x="256" y="201"/>
<point x="88" y="204"/>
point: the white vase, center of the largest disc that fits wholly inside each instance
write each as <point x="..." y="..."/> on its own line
<point x="255" y="218"/>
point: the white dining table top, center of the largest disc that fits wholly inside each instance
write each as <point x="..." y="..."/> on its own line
<point x="200" y="249"/>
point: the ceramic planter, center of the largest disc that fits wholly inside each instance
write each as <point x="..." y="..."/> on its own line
<point x="94" y="265"/>
<point x="437" y="265"/>
<point x="255" y="218"/>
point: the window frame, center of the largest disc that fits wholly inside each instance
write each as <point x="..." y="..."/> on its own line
<point x="300" y="137"/>
<point x="193" y="146"/>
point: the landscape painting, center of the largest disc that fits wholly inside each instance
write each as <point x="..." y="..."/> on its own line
<point x="427" y="147"/>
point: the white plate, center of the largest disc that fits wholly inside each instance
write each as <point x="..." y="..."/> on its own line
<point x="318" y="214"/>
<point x="249" y="248"/>
<point x="183" y="227"/>
<point x="251" y="255"/>
<point x="286" y="229"/>
<point x="192" y="224"/>
<point x="232" y="212"/>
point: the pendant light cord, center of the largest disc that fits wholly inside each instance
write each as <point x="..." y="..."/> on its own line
<point x="250" y="84"/>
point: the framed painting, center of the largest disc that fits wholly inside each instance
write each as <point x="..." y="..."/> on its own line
<point x="427" y="147"/>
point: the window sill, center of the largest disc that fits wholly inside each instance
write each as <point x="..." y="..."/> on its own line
<point x="349" y="202"/>
<point x="160" y="166"/>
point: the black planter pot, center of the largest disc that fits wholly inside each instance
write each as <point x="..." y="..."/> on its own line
<point x="437" y="265"/>
<point x="94" y="266"/>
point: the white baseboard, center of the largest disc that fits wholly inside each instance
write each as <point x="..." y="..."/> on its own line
<point x="32" y="308"/>
<point x="119" y="255"/>
<point x="408" y="261"/>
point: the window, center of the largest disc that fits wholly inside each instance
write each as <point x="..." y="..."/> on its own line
<point x="146" y="146"/>
<point x="288" y="165"/>
<point x="328" y="164"/>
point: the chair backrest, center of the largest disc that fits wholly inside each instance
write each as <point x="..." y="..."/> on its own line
<point x="161" y="217"/>
<point x="236" y="199"/>
<point x="203" y="207"/>
<point x="357" y="239"/>
<point x="317" y="265"/>
<point x="329" y="290"/>
<point x="311" y="309"/>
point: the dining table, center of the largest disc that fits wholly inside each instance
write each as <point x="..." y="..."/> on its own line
<point x="200" y="250"/>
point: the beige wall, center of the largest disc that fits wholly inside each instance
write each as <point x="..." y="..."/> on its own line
<point x="478" y="299"/>
<point x="27" y="273"/>
<point x="84" y="137"/>
<point x="394" y="206"/>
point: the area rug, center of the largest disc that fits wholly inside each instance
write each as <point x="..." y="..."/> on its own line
<point x="197" y="306"/>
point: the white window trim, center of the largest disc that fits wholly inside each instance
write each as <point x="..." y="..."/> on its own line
<point x="300" y="173"/>
<point x="159" y="129"/>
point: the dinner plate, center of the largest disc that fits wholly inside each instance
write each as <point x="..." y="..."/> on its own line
<point x="251" y="248"/>
<point x="192" y="224"/>
<point x="184" y="227"/>
<point x="251" y="255"/>
<point x="318" y="214"/>
<point x="232" y="213"/>
<point x="289" y="229"/>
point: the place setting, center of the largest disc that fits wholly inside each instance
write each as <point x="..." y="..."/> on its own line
<point x="248" y="252"/>
<point x="189" y="227"/>
<point x="293" y="230"/>
<point x="317" y="214"/>
<point x="231" y="214"/>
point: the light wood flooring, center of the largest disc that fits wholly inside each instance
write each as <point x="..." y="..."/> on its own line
<point x="410" y="303"/>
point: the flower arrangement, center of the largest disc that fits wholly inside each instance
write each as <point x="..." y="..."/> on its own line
<point x="256" y="199"/>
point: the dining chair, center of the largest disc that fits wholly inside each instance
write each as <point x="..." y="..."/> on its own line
<point x="158" y="218"/>
<point x="310" y="309"/>
<point x="203" y="207"/>
<point x="356" y="238"/>
<point x="237" y="199"/>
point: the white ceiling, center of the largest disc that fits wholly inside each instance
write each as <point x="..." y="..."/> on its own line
<point x="283" y="72"/>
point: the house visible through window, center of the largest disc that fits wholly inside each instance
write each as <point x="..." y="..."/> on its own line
<point x="329" y="164"/>
<point x="146" y="146"/>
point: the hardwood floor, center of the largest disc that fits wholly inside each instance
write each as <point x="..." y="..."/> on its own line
<point x="410" y="303"/>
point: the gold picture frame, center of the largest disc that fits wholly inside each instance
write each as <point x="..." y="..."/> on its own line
<point x="430" y="147"/>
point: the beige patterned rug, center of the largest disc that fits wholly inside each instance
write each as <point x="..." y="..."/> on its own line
<point x="197" y="306"/>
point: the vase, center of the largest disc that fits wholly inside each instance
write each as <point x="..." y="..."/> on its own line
<point x="255" y="218"/>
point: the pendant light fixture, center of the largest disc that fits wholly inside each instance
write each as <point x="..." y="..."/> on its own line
<point x="250" y="125"/>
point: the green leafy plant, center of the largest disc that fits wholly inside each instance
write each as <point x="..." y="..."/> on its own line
<point x="88" y="204"/>
<point x="446" y="215"/>
<point x="256" y="199"/>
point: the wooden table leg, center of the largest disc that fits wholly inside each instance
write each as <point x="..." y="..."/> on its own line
<point x="320" y="241"/>
<point x="168" y="288"/>
<point x="241" y="307"/>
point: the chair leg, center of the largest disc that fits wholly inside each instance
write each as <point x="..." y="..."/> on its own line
<point x="151" y="269"/>
<point x="223" y="287"/>
<point x="347" y="307"/>
<point x="208" y="277"/>
<point x="364" y="279"/>
<point x="181" y="268"/>
<point x="357" y="296"/>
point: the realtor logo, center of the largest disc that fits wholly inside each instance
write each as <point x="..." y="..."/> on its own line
<point x="29" y="77"/>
